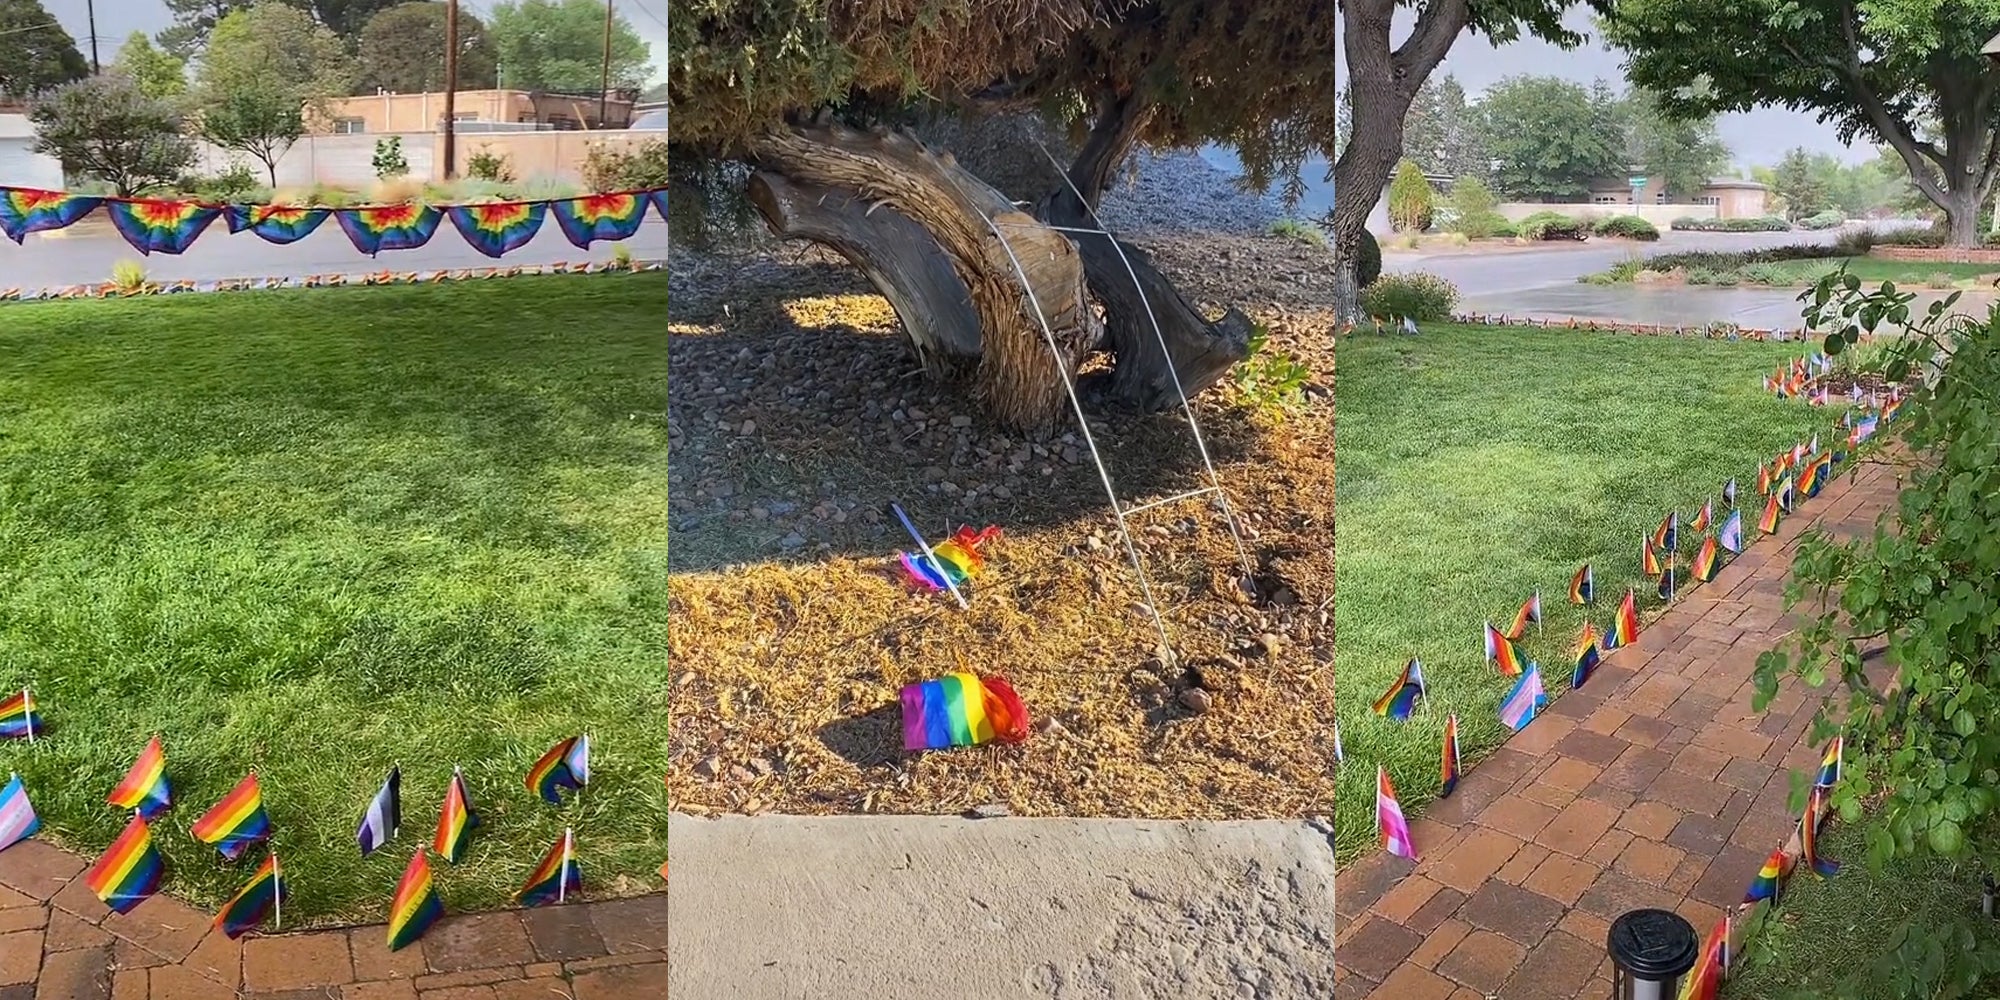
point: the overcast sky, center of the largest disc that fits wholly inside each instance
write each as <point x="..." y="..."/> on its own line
<point x="1757" y="138"/>
<point x="117" y="19"/>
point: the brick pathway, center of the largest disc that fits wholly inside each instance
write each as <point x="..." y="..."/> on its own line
<point x="1655" y="785"/>
<point x="58" y="942"/>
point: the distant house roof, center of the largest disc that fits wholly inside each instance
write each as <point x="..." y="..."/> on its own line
<point x="1737" y="184"/>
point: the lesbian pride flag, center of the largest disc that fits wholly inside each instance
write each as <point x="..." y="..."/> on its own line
<point x="1389" y="818"/>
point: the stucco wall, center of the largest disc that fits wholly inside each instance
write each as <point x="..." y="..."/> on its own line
<point x="1658" y="215"/>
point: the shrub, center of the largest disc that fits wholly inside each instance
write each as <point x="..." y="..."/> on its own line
<point x="1714" y="261"/>
<point x="1457" y="239"/>
<point x="237" y="184"/>
<point x="1303" y="232"/>
<point x="1940" y="280"/>
<point x="1506" y="228"/>
<point x="1760" y="224"/>
<point x="1617" y="274"/>
<point x="1829" y="219"/>
<point x="1631" y="227"/>
<point x="1857" y="243"/>
<point x="1367" y="260"/>
<point x="1411" y="200"/>
<point x="1483" y="225"/>
<point x="389" y="161"/>
<point x="1933" y="235"/>
<point x="1425" y="298"/>
<point x="1768" y="274"/>
<point x="1474" y="209"/>
<point x="487" y="165"/>
<point x="128" y="276"/>
<point x="632" y="168"/>
<point x="1552" y="226"/>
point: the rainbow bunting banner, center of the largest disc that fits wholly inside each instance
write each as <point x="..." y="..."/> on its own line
<point x="236" y="822"/>
<point x="557" y="878"/>
<point x="961" y="709"/>
<point x="18" y="718"/>
<point x="415" y="906"/>
<point x="145" y="786"/>
<point x="566" y="765"/>
<point x="593" y="217"/>
<point x="130" y="870"/>
<point x="263" y="895"/>
<point x="278" y="224"/>
<point x="658" y="197"/>
<point x="388" y="227"/>
<point x="497" y="228"/>
<point x="30" y="210"/>
<point x="18" y="821"/>
<point x="456" y="821"/>
<point x="153" y="226"/>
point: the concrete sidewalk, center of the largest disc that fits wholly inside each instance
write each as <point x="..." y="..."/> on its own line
<point x="917" y="907"/>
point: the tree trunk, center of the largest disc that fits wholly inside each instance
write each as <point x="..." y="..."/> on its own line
<point x="1154" y="368"/>
<point x="1961" y="212"/>
<point x="1018" y="377"/>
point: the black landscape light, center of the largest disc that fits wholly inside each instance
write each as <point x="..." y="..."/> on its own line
<point x="1650" y="951"/>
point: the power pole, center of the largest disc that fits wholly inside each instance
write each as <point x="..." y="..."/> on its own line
<point x="604" y="92"/>
<point x="450" y="85"/>
<point x="90" y="10"/>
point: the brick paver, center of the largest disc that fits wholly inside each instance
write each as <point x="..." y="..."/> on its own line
<point x="57" y="942"/>
<point x="1656" y="785"/>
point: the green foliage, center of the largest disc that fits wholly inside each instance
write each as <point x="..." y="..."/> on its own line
<point x="1832" y="218"/>
<point x="1548" y="225"/>
<point x="159" y="74"/>
<point x="35" y="52"/>
<point x="1757" y="224"/>
<point x="348" y="18"/>
<point x="1473" y="208"/>
<point x="237" y="184"/>
<point x="1304" y="232"/>
<point x="486" y="165"/>
<point x="1411" y="199"/>
<point x="1620" y="273"/>
<point x="559" y="45"/>
<point x="103" y="127"/>
<point x="1685" y="152"/>
<point x="1367" y="260"/>
<point x="261" y="122"/>
<point x="1552" y="137"/>
<point x="128" y="276"/>
<point x="194" y="20"/>
<point x="1925" y="590"/>
<point x="1727" y="260"/>
<point x="1425" y="298"/>
<point x="402" y="51"/>
<point x="1272" y="383"/>
<point x="1441" y="131"/>
<point x="266" y="56"/>
<point x="1803" y="188"/>
<point x="388" y="159"/>
<point x="628" y="168"/>
<point x="1631" y="227"/>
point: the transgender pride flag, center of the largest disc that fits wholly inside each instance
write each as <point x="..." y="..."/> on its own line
<point x="1389" y="817"/>
<point x="1527" y="698"/>
<point x="18" y="821"/>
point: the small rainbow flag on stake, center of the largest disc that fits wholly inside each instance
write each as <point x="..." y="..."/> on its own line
<point x="592" y="217"/>
<point x="962" y="709"/>
<point x="1501" y="653"/>
<point x="388" y="227"/>
<point x="566" y="765"/>
<point x="1701" y="518"/>
<point x="384" y="816"/>
<point x="1829" y="763"/>
<point x="1809" y="836"/>
<point x="145" y="785"/>
<point x="1706" y="981"/>
<point x="497" y="228"/>
<point x="18" y="821"/>
<point x="237" y="821"/>
<point x="18" y="718"/>
<point x="1649" y="563"/>
<point x="1666" y="588"/>
<point x="155" y="226"/>
<point x="1531" y="611"/>
<point x="1729" y="493"/>
<point x="1582" y="588"/>
<point x="1768" y="524"/>
<point x="1625" y="627"/>
<point x="279" y="224"/>
<point x="1451" y="764"/>
<point x="30" y="210"/>
<point x="264" y="893"/>
<point x="1401" y="698"/>
<point x="456" y="821"/>
<point x="415" y="906"/>
<point x="1668" y="535"/>
<point x="1731" y="535"/>
<point x="1586" y="656"/>
<point x="1770" y="878"/>
<point x="951" y="564"/>
<point x="130" y="870"/>
<point x="556" y="877"/>
<point x="1527" y="698"/>
<point x="1389" y="818"/>
<point x="1708" y="560"/>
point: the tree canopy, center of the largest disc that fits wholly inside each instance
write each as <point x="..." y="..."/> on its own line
<point x="1552" y="137"/>
<point x="559" y="45"/>
<point x="35" y="52"/>
<point x="158" y="73"/>
<point x="107" y="128"/>
<point x="1685" y="151"/>
<point x="1876" y="70"/>
<point x="193" y="20"/>
<point x="276" y="48"/>
<point x="402" y="50"/>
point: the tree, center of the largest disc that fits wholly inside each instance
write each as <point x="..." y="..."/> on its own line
<point x="274" y="48"/>
<point x="1474" y="209"/>
<point x="35" y="52"/>
<point x="1411" y="199"/>
<point x="347" y="18"/>
<point x="559" y="45"/>
<point x="158" y="74"/>
<point x="263" y="123"/>
<point x="1801" y="185"/>
<point x="105" y="127"/>
<point x="402" y="50"/>
<point x="193" y="21"/>
<point x="1685" y="152"/>
<point x="1257" y="74"/>
<point x="1881" y="75"/>
<point x="1441" y="131"/>
<point x="1551" y="138"/>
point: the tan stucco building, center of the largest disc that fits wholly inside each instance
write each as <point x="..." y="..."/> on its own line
<point x="1731" y="198"/>
<point x="425" y="112"/>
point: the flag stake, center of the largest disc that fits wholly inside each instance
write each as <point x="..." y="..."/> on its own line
<point x="928" y="554"/>
<point x="28" y="700"/>
<point x="277" y="894"/>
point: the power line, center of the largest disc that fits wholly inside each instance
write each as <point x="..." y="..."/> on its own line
<point x="655" y="18"/>
<point x="32" y="27"/>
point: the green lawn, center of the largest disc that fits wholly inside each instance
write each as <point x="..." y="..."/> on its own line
<point x="1479" y="464"/>
<point x="1833" y="931"/>
<point x="317" y="533"/>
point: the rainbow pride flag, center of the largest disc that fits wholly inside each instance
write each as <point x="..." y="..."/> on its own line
<point x="1668" y="536"/>
<point x="145" y="786"/>
<point x="280" y="224"/>
<point x="557" y="878"/>
<point x="956" y="559"/>
<point x="961" y="709"/>
<point x="130" y="870"/>
<point x="1829" y="763"/>
<point x="1770" y="878"/>
<point x="456" y="821"/>
<point x="611" y="216"/>
<point x="18" y="718"/>
<point x="1708" y="560"/>
<point x="1702" y="517"/>
<point x="31" y="210"/>
<point x="1501" y="653"/>
<point x="565" y="765"/>
<point x="1531" y="611"/>
<point x="1451" y="762"/>
<point x="18" y="821"/>
<point x="236" y="822"/>
<point x="388" y="227"/>
<point x="415" y="906"/>
<point x="1809" y="836"/>
<point x="154" y="226"/>
<point x="262" y="895"/>
<point x="1768" y="524"/>
<point x="1582" y="586"/>
<point x="496" y="228"/>
<point x="1706" y="981"/>
<point x="1649" y="562"/>
<point x="1624" y="628"/>
<point x="1401" y="698"/>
